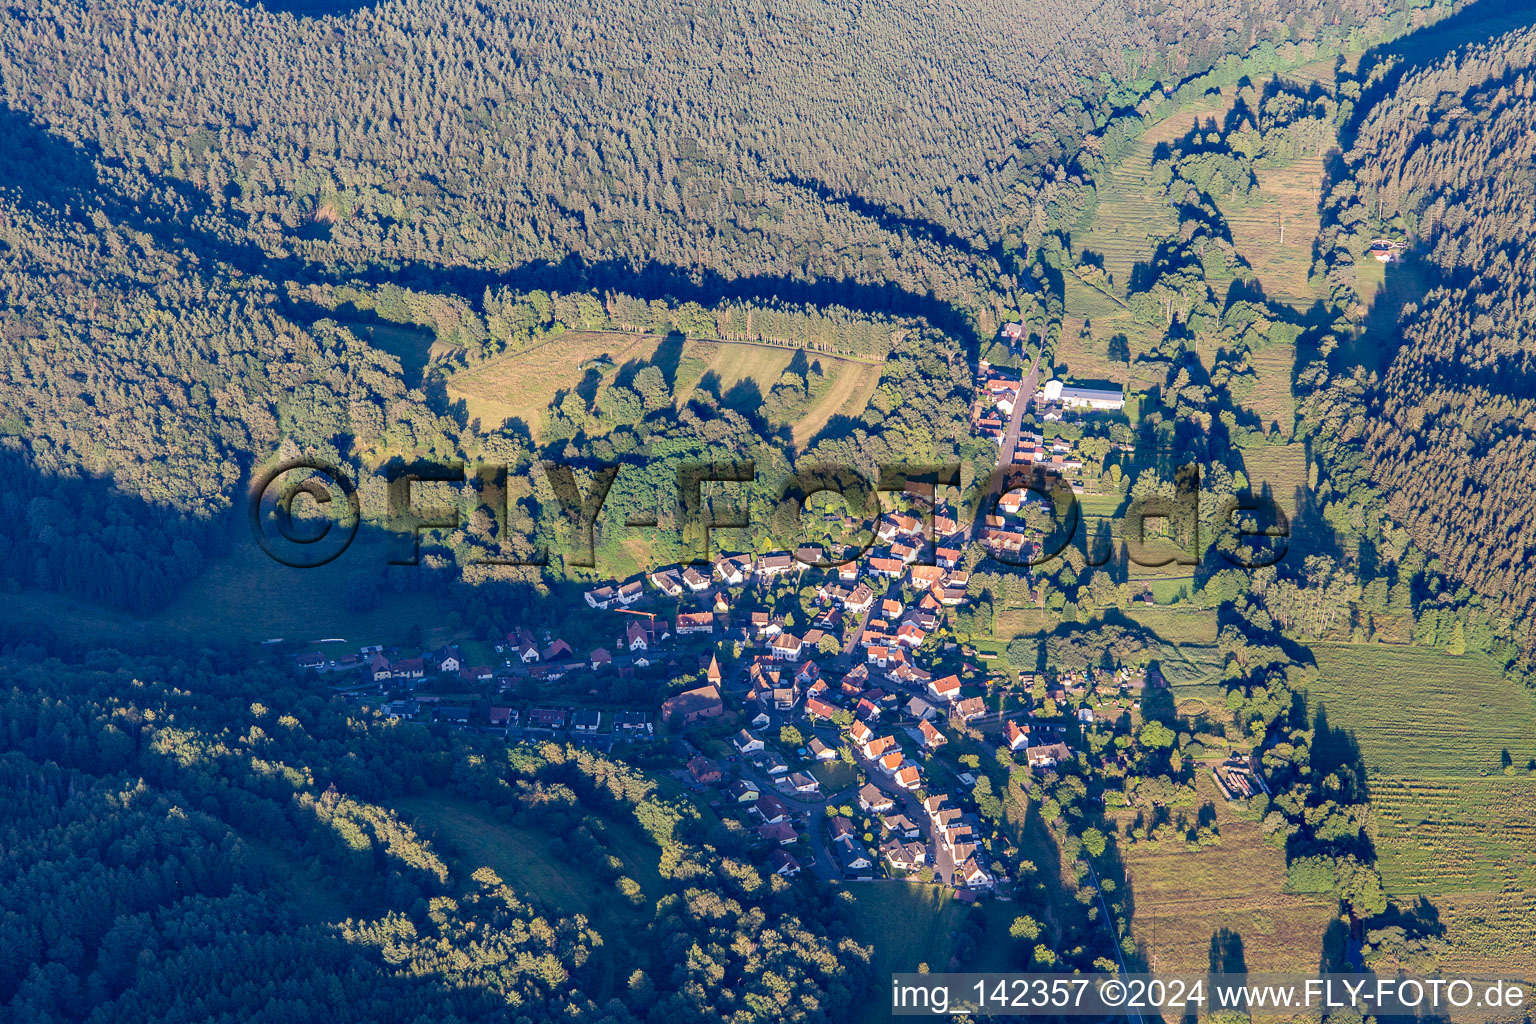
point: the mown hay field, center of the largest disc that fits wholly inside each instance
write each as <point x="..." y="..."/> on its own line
<point x="1269" y="397"/>
<point x="1420" y="713"/>
<point x="1183" y="897"/>
<point x="1448" y="824"/>
<point x="1275" y="226"/>
<point x="1282" y="467"/>
<point x="521" y="385"/>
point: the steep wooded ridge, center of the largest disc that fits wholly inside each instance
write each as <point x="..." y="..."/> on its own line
<point x="1449" y="430"/>
<point x="795" y="139"/>
<point x="170" y="168"/>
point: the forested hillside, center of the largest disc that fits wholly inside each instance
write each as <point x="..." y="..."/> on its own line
<point x="1447" y="431"/>
<point x="194" y="841"/>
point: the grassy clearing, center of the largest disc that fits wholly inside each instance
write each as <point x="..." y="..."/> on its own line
<point x="852" y="385"/>
<point x="728" y="365"/>
<point x="1182" y="898"/>
<point x="1287" y="198"/>
<point x="1270" y="397"/>
<point x="247" y="596"/>
<point x="1282" y="467"/>
<point x="521" y="385"/>
<point x="1177" y="625"/>
<point x="1132" y="213"/>
<point x="473" y="836"/>
<point x="908" y="923"/>
<point x="413" y="346"/>
<point x="315" y="899"/>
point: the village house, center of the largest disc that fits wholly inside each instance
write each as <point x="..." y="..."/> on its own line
<point x="771" y="809"/>
<point x="804" y="784"/>
<point x="778" y="564"/>
<point x="931" y="737"/>
<point x="547" y="718"/>
<point x="819" y="709"/>
<point x="856" y="863"/>
<point x="695" y="580"/>
<point x="901" y="826"/>
<point x="781" y="863"/>
<point x="586" y="721"/>
<point x="786" y="646"/>
<point x="746" y="743"/>
<point x="780" y="833"/>
<point x="689" y="623"/>
<point x="819" y="750"/>
<point x="860" y="733"/>
<point x="945" y="689"/>
<point x="1016" y="735"/>
<point x="397" y="710"/>
<point x="768" y="761"/>
<point x="631" y="722"/>
<point x="969" y="708"/>
<point x="734" y="570"/>
<point x="693" y="705"/>
<point x="879" y="748"/>
<point x="860" y="598"/>
<point x="704" y="770"/>
<point x="668" y="581"/>
<point x="602" y="598"/>
<point x="629" y="593"/>
<point x="904" y="856"/>
<point x="636" y="638"/>
<point x="744" y="791"/>
<point x="908" y="777"/>
<point x="1047" y="755"/>
<point x="600" y="658"/>
<point x="919" y="708"/>
<point x="873" y="800"/>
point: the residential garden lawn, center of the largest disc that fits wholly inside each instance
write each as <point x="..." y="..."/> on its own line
<point x="835" y="776"/>
<point x="1448" y="823"/>
<point x="1183" y="897"/>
